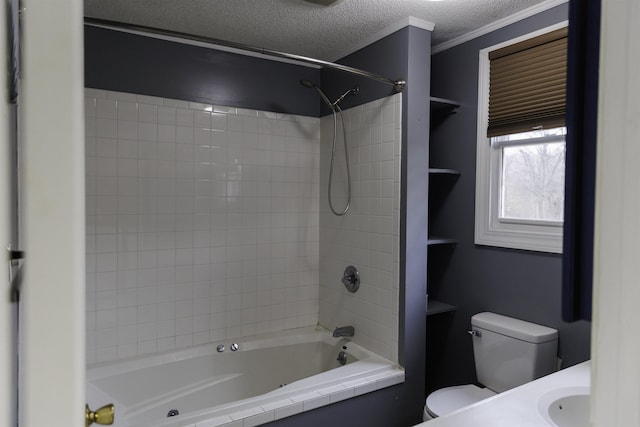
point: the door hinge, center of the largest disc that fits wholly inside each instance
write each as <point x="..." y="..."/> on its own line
<point x="15" y="276"/>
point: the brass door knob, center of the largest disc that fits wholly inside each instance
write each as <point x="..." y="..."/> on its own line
<point x="103" y="416"/>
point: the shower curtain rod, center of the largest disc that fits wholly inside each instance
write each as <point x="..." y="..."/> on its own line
<point x="397" y="84"/>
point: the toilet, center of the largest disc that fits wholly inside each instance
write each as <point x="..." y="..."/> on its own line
<point x="508" y="352"/>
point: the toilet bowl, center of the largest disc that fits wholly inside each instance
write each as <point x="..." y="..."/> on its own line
<point x="450" y="399"/>
<point x="507" y="353"/>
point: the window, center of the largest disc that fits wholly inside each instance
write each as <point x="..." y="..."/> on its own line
<point x="520" y="159"/>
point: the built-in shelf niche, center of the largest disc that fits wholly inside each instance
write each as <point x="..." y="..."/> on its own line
<point x="442" y="106"/>
<point x="438" y="307"/>
<point x="441" y="181"/>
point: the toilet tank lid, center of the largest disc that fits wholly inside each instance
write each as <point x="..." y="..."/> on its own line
<point x="520" y="329"/>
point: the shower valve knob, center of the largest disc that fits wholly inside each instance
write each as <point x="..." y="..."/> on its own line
<point x="351" y="278"/>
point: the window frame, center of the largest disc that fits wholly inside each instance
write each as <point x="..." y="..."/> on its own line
<point x="538" y="236"/>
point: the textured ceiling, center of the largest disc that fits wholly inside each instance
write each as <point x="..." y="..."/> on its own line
<point x="301" y="27"/>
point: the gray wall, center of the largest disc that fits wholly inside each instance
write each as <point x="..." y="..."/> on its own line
<point x="130" y="63"/>
<point x="516" y="283"/>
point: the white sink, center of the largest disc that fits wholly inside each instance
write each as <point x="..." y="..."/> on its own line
<point x="566" y="407"/>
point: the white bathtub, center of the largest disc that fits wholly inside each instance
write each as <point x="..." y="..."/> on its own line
<point x="266" y="379"/>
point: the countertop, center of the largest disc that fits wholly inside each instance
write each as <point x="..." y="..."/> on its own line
<point x="517" y="407"/>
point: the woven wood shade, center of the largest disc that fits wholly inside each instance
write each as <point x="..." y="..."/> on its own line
<point x="527" y="85"/>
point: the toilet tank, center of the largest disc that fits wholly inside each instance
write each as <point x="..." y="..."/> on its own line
<point x="509" y="352"/>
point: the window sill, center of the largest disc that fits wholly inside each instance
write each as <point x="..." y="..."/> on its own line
<point x="533" y="238"/>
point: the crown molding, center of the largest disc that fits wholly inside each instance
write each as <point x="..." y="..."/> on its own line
<point x="409" y="21"/>
<point x="501" y="23"/>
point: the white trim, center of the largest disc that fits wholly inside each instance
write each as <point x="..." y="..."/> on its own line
<point x="488" y="229"/>
<point x="501" y="23"/>
<point x="615" y="389"/>
<point x="8" y="350"/>
<point x="52" y="309"/>
<point x="406" y="22"/>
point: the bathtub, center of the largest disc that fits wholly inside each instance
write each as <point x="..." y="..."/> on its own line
<point x="265" y="379"/>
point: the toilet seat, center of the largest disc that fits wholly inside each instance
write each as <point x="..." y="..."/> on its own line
<point x="450" y="399"/>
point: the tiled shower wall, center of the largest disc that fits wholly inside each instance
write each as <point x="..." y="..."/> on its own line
<point x="368" y="235"/>
<point x="202" y="223"/>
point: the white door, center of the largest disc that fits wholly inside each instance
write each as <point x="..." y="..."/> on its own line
<point x="52" y="354"/>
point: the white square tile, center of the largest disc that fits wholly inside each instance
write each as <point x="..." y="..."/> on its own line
<point x="166" y="328"/>
<point x="201" y="137"/>
<point x="105" y="147"/>
<point x="259" y="419"/>
<point x="127" y="149"/>
<point x="145" y="99"/>
<point x="340" y="395"/>
<point x="127" y="111"/>
<point x="223" y="109"/>
<point x="95" y="93"/>
<point x="287" y="411"/>
<point x="127" y="129"/>
<point x="167" y="115"/>
<point x="202" y="119"/>
<point x="106" y="109"/>
<point x="166" y="344"/>
<point x="106" y="128"/>
<point x="148" y="113"/>
<point x="183" y="341"/>
<point x="316" y="402"/>
<point x="147" y="131"/>
<point x="177" y="103"/>
<point x="147" y="347"/>
<point x="121" y="96"/>
<point x="201" y="107"/>
<point x="184" y="117"/>
<point x="216" y="422"/>
<point x="166" y="133"/>
<point x="246" y="413"/>
<point x="127" y="350"/>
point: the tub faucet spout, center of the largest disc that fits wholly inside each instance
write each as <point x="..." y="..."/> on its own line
<point x="344" y="331"/>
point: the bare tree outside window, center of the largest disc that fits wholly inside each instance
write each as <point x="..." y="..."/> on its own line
<point x="532" y="176"/>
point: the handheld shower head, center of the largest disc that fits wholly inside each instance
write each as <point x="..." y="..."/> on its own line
<point x="333" y="106"/>
<point x="350" y="91"/>
<point x="312" y="85"/>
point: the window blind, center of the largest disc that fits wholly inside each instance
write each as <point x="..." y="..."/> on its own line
<point x="527" y="85"/>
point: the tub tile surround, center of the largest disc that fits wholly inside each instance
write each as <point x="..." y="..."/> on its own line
<point x="368" y="236"/>
<point x="202" y="223"/>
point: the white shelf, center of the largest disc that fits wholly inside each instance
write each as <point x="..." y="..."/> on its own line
<point x="439" y="171"/>
<point x="441" y="241"/>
